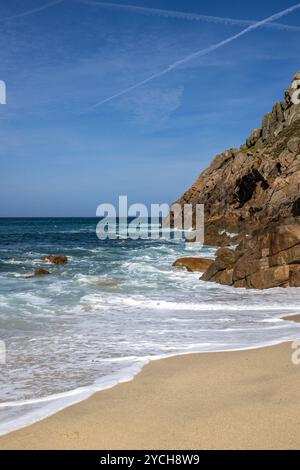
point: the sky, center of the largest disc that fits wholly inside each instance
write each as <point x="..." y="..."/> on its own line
<point x="107" y="100"/>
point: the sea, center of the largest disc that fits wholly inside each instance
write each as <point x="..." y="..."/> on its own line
<point x="116" y="305"/>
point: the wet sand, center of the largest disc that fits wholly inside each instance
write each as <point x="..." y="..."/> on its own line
<point x="232" y="400"/>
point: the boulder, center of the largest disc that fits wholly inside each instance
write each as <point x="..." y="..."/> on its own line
<point x="41" y="272"/>
<point x="209" y="273"/>
<point x="194" y="264"/>
<point x="225" y="258"/>
<point x="289" y="256"/>
<point x="246" y="266"/>
<point x="267" y="278"/>
<point x="37" y="272"/>
<point x="284" y="237"/>
<point x="253" y="264"/>
<point x="224" y="277"/>
<point x="56" y="259"/>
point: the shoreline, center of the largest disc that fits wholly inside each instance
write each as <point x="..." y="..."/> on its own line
<point x="163" y="396"/>
<point x="109" y="382"/>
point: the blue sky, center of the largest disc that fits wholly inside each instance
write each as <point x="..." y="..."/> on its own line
<point x="61" y="156"/>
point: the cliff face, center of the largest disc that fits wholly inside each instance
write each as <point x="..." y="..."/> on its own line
<point x="268" y="257"/>
<point x="259" y="183"/>
<point x="255" y="191"/>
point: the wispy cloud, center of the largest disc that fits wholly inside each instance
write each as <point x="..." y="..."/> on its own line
<point x="155" y="106"/>
<point x="187" y="16"/>
<point x="32" y="11"/>
<point x="194" y="55"/>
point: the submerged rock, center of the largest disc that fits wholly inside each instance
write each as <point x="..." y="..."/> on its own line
<point x="37" y="272"/>
<point x="55" y="259"/>
<point x="109" y="282"/>
<point x="41" y="272"/>
<point x="194" y="264"/>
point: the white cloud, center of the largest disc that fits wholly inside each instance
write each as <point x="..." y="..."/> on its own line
<point x="153" y="105"/>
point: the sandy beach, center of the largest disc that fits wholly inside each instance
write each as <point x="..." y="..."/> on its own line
<point x="232" y="400"/>
<point x="149" y="227"/>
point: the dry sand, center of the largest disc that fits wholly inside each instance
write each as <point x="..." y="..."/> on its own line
<point x="246" y="399"/>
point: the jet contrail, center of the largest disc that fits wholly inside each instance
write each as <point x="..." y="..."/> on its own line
<point x="200" y="53"/>
<point x="185" y="16"/>
<point x="32" y="11"/>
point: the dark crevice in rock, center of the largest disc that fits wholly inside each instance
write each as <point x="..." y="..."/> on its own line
<point x="296" y="208"/>
<point x="246" y="186"/>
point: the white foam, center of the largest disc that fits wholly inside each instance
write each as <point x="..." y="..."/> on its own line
<point x="157" y="312"/>
<point x="31" y="298"/>
<point x="143" y="302"/>
<point x="50" y="405"/>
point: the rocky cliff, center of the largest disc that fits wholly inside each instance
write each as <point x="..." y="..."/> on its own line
<point x="268" y="257"/>
<point x="258" y="183"/>
<point x="255" y="191"/>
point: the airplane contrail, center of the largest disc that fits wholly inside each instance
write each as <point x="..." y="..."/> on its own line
<point x="185" y="16"/>
<point x="200" y="53"/>
<point x="32" y="11"/>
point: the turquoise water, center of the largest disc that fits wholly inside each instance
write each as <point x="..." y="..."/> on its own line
<point x="116" y="305"/>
